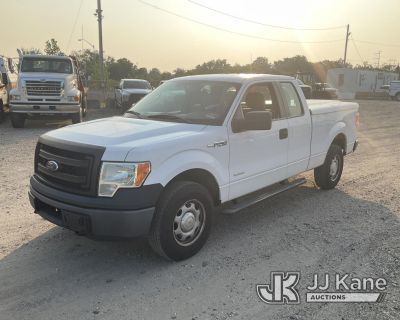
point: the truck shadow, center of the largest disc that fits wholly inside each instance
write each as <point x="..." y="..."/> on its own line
<point x="304" y="229"/>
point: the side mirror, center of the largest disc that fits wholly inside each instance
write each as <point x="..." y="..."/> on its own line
<point x="253" y="120"/>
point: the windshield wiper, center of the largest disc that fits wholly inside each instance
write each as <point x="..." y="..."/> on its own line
<point x="137" y="114"/>
<point x="167" y="116"/>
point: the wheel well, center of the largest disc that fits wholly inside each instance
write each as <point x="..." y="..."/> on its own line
<point x="202" y="177"/>
<point x="340" y="140"/>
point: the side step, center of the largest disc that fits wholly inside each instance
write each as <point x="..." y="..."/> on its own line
<point x="270" y="192"/>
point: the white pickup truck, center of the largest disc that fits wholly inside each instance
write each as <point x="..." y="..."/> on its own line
<point x="192" y="145"/>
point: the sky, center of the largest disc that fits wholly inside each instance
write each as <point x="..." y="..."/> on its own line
<point x="151" y="37"/>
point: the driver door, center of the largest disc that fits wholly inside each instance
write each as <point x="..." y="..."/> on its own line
<point x="258" y="158"/>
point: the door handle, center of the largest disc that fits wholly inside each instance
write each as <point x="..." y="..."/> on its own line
<point x="283" y="133"/>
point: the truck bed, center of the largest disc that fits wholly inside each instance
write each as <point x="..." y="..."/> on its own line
<point x="327" y="106"/>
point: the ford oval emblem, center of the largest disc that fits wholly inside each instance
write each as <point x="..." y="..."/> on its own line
<point x="52" y="165"/>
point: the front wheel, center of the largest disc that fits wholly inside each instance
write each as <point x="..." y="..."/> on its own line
<point x="77" y="117"/>
<point x="328" y="175"/>
<point x="398" y="97"/>
<point x="182" y="221"/>
<point x="17" y="120"/>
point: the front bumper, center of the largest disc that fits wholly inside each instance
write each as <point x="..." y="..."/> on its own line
<point x="94" y="218"/>
<point x="44" y="107"/>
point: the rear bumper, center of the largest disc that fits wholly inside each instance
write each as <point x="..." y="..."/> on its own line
<point x="44" y="108"/>
<point x="62" y="209"/>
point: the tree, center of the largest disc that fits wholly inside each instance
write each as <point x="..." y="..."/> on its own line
<point x="120" y="69"/>
<point x="154" y="77"/>
<point x="52" y="48"/>
<point x="261" y="65"/>
<point x="31" y="51"/>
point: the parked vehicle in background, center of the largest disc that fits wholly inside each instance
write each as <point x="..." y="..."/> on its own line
<point x="48" y="86"/>
<point x="8" y="81"/>
<point x="307" y="90"/>
<point x="131" y="91"/>
<point x="194" y="144"/>
<point x="324" y="91"/>
<point x="394" y="90"/>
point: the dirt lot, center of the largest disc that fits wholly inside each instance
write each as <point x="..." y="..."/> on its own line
<point x="50" y="273"/>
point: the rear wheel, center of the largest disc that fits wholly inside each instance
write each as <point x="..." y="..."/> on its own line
<point x="2" y="113"/>
<point x="328" y="175"/>
<point x="398" y="96"/>
<point x="182" y="221"/>
<point x="17" y="120"/>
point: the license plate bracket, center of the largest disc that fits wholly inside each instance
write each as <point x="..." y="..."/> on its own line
<point x="76" y="222"/>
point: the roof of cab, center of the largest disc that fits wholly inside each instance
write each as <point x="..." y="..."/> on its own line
<point x="134" y="80"/>
<point x="45" y="56"/>
<point x="236" y="77"/>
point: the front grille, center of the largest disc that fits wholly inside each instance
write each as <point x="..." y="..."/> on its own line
<point x="43" y="88"/>
<point x="77" y="171"/>
<point x="135" y="97"/>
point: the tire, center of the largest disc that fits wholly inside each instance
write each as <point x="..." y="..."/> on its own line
<point x="17" y="120"/>
<point x="398" y="96"/>
<point x="328" y="175"/>
<point x="171" y="236"/>
<point x="2" y="113"/>
<point x="84" y="106"/>
<point x="77" y="117"/>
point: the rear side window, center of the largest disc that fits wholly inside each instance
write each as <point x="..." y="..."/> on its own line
<point x="292" y="99"/>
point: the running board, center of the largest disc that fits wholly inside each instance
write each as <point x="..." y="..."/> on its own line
<point x="261" y="197"/>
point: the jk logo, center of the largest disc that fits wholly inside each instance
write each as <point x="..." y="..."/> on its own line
<point x="281" y="290"/>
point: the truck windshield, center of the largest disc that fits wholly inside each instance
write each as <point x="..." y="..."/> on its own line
<point x="194" y="101"/>
<point x="132" y="84"/>
<point x="44" y="64"/>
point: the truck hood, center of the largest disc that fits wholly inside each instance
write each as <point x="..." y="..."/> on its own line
<point x="123" y="134"/>
<point x="48" y="76"/>
<point x="140" y="91"/>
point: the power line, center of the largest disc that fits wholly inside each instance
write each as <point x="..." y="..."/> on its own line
<point x="355" y="46"/>
<point x="379" y="43"/>
<point x="74" y="25"/>
<point x="230" y="31"/>
<point x="261" y="23"/>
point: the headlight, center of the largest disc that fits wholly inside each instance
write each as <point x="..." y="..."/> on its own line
<point x="15" y="97"/>
<point x="73" y="98"/>
<point x="115" y="175"/>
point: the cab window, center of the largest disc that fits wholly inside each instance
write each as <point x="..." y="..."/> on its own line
<point x="259" y="97"/>
<point x="292" y="99"/>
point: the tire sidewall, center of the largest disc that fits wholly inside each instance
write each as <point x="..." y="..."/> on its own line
<point x="168" y="208"/>
<point x="334" y="150"/>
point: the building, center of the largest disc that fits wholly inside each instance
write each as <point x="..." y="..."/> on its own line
<point x="350" y="82"/>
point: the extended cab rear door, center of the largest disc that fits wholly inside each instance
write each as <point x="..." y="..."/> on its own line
<point x="299" y="126"/>
<point x="258" y="158"/>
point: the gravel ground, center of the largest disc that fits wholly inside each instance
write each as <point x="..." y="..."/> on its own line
<point x="50" y="273"/>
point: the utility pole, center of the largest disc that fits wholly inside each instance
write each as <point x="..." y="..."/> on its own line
<point x="378" y="58"/>
<point x="348" y="33"/>
<point x="99" y="19"/>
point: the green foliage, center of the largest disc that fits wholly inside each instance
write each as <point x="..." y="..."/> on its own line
<point x="51" y="47"/>
<point x="31" y="51"/>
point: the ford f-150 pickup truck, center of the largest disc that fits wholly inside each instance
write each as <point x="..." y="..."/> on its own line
<point x="191" y="146"/>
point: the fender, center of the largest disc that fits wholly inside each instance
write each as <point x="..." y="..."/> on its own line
<point x="338" y="128"/>
<point x="187" y="160"/>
